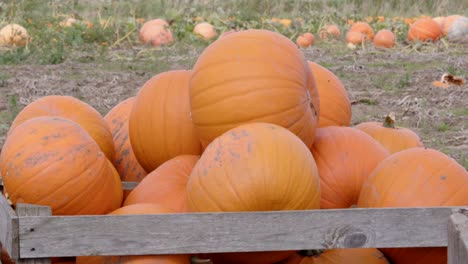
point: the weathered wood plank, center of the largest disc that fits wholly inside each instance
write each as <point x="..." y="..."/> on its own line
<point x="127" y="186"/>
<point x="233" y="232"/>
<point x="34" y="211"/>
<point x="8" y="227"/>
<point x="458" y="237"/>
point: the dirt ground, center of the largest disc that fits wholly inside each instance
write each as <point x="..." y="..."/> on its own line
<point x="378" y="82"/>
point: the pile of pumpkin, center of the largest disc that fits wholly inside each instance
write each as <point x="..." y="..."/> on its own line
<point x="253" y="126"/>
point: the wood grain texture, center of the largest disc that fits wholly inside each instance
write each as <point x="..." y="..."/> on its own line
<point x="34" y="211"/>
<point x="129" y="185"/>
<point x="8" y="227"/>
<point x="232" y="232"/>
<point x="458" y="237"/>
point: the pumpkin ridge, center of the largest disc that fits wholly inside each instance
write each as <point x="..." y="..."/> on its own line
<point x="229" y="122"/>
<point x="206" y="194"/>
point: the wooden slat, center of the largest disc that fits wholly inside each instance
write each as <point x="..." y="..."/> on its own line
<point x="8" y="227"/>
<point x="34" y="211"/>
<point x="458" y="237"/>
<point x="233" y="232"/>
<point x="129" y="185"/>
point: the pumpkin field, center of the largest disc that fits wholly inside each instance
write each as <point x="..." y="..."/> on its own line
<point x="231" y="106"/>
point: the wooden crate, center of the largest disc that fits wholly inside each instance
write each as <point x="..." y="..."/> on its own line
<point x="31" y="235"/>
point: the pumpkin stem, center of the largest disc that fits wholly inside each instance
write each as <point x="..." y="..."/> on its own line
<point x="196" y="260"/>
<point x="311" y="252"/>
<point x="389" y="121"/>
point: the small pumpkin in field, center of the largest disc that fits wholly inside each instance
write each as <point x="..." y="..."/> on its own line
<point x="363" y="28"/>
<point x="393" y="138"/>
<point x="166" y="185"/>
<point x="330" y="31"/>
<point x="340" y="256"/>
<point x="448" y="21"/>
<point x="354" y="37"/>
<point x="458" y="31"/>
<point x="254" y="167"/>
<point x="160" y="126"/>
<point x="424" y="29"/>
<point x="384" y="39"/>
<point x="156" y="32"/>
<point x="416" y="177"/>
<point x="76" y="110"/>
<point x="135" y="209"/>
<point x="53" y="161"/>
<point x="305" y="40"/>
<point x="14" y="35"/>
<point x="236" y="79"/>
<point x="357" y="155"/>
<point x="335" y="107"/>
<point x="205" y="30"/>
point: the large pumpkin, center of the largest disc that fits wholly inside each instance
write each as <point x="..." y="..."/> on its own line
<point x="166" y="185"/>
<point x="363" y="28"/>
<point x="424" y="29"/>
<point x="254" y="167"/>
<point x="71" y="108"/>
<point x="125" y="161"/>
<point x="341" y="256"/>
<point x="135" y="209"/>
<point x="160" y="126"/>
<point x="252" y="76"/>
<point x="335" y="108"/>
<point x="345" y="157"/>
<point x="416" y="177"/>
<point x="53" y="161"/>
<point x="393" y="138"/>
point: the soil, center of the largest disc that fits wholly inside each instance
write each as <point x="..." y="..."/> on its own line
<point x="378" y="82"/>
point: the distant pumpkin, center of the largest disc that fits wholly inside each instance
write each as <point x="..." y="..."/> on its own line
<point x="354" y="37"/>
<point x="424" y="29"/>
<point x="330" y="31"/>
<point x="363" y="28"/>
<point x="156" y="32"/>
<point x="305" y="40"/>
<point x="205" y="30"/>
<point x="384" y="39"/>
<point x="14" y="35"/>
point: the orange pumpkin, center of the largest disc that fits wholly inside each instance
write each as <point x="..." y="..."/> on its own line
<point x="238" y="77"/>
<point x="53" y="161"/>
<point x="254" y="167"/>
<point x="205" y="30"/>
<point x="14" y="35"/>
<point x="354" y="37"/>
<point x="357" y="155"/>
<point x="363" y="28"/>
<point x="393" y="138"/>
<point x="440" y="21"/>
<point x="160" y="126"/>
<point x="448" y="21"/>
<point x="156" y="32"/>
<point x="135" y="209"/>
<point x="70" y="108"/>
<point x="341" y="256"/>
<point x="305" y="40"/>
<point x="335" y="105"/>
<point x="125" y="161"/>
<point x="384" y="39"/>
<point x="330" y="31"/>
<point x="424" y="29"/>
<point x="166" y="185"/>
<point x="416" y="177"/>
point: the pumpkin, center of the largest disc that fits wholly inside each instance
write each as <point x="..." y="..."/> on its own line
<point x="238" y="77"/>
<point x="363" y="28"/>
<point x="330" y="31"/>
<point x="205" y="30"/>
<point x="393" y="138"/>
<point x="156" y="32"/>
<point x="13" y="35"/>
<point x="416" y="177"/>
<point x="125" y="161"/>
<point x="160" y="126"/>
<point x="53" y="161"/>
<point x="135" y="209"/>
<point x="335" y="105"/>
<point x="354" y="37"/>
<point x="440" y="21"/>
<point x="305" y="40"/>
<point x="357" y="155"/>
<point x="384" y="39"/>
<point x="254" y="167"/>
<point x="69" y="22"/>
<point x="70" y="108"/>
<point x="424" y="29"/>
<point x="166" y="185"/>
<point x="340" y="256"/>
<point x="448" y="21"/>
<point x="458" y="32"/>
